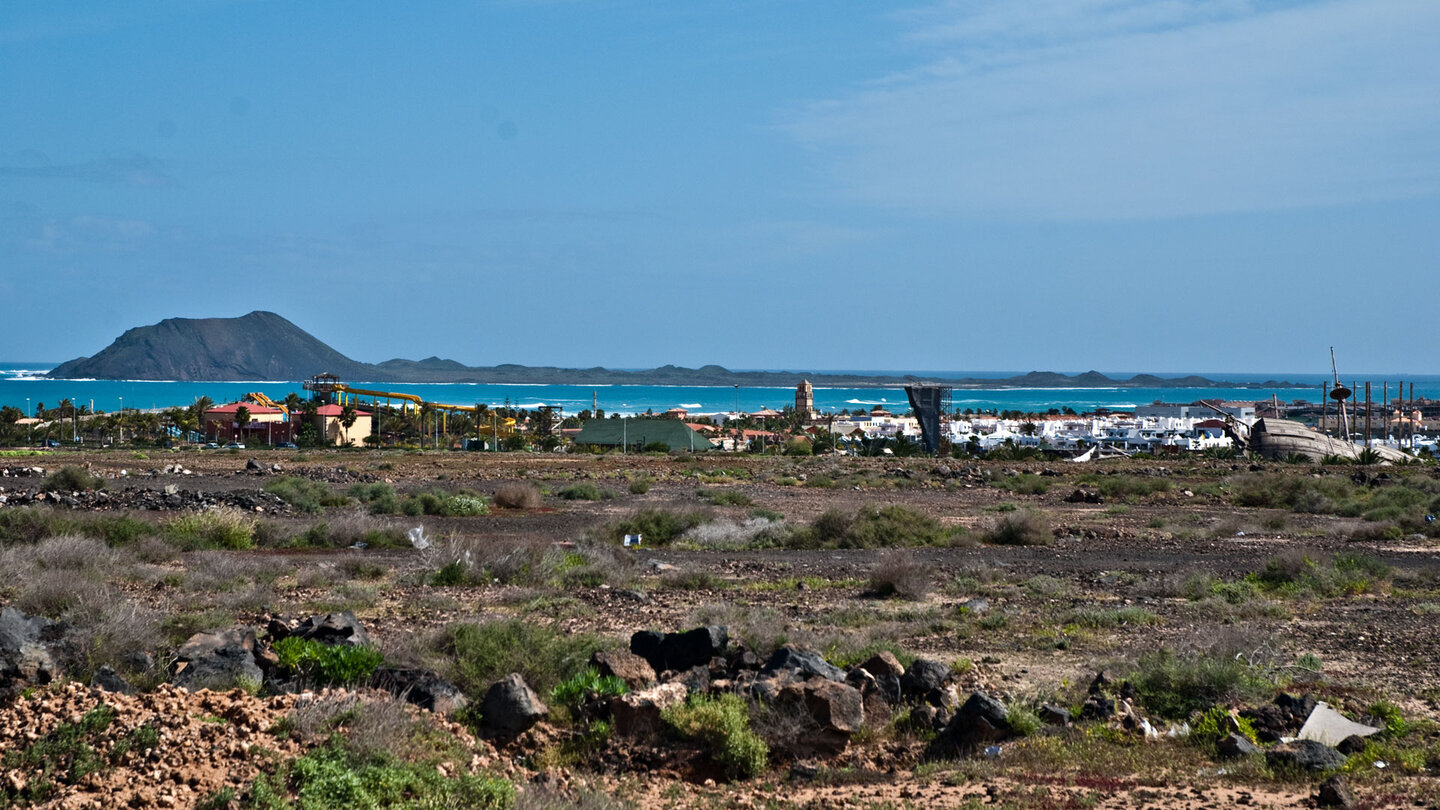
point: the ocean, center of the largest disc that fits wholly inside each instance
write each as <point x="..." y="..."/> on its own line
<point x="23" y="387"/>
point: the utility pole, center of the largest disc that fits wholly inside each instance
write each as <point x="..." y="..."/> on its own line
<point x="1367" y="414"/>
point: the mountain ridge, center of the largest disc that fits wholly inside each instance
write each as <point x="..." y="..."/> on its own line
<point x="265" y="346"/>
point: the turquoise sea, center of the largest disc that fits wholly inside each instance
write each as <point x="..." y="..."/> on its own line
<point x="22" y="386"/>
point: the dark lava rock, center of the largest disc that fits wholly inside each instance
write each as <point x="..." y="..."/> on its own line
<point x="807" y="663"/>
<point x="220" y="669"/>
<point x="634" y="670"/>
<point x="25" y="655"/>
<point x="111" y="681"/>
<point x="1335" y="792"/>
<point x="334" y="629"/>
<point x="1235" y="746"/>
<point x="1353" y="744"/>
<point x="1055" y="715"/>
<point x="422" y="687"/>
<point x="1270" y="721"/>
<point x="646" y="644"/>
<point x="883" y="663"/>
<point x="924" y="675"/>
<point x="511" y="707"/>
<point x="680" y="651"/>
<point x="1304" y="755"/>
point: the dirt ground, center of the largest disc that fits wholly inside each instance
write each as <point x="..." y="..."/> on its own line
<point x="1031" y="641"/>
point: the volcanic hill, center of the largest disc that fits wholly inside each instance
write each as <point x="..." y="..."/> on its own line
<point x="265" y="346"/>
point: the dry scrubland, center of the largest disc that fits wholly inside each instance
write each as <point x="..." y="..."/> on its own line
<point x="1201" y="589"/>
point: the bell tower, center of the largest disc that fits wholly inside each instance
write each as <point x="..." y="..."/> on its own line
<point x="805" y="399"/>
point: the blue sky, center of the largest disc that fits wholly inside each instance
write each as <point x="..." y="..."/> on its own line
<point x="1166" y="185"/>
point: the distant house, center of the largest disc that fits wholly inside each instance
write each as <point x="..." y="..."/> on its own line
<point x="639" y="433"/>
<point x="265" y="426"/>
<point x="334" y="431"/>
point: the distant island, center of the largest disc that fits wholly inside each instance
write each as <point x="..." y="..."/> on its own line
<point x="266" y="346"/>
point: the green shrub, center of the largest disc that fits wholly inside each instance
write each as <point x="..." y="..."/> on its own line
<point x="66" y="756"/>
<point x="1026" y="484"/>
<point x="659" y="526"/>
<point x="1099" y="617"/>
<point x="1218" y="723"/>
<point x="380" y="497"/>
<point x="1126" y="487"/>
<point x="584" y="492"/>
<point x="304" y="494"/>
<point x="222" y="528"/>
<point x="640" y="486"/>
<point x="465" y="505"/>
<point x="332" y="777"/>
<point x="31" y="524"/>
<point x="1296" y="573"/>
<point x="584" y="688"/>
<point x="722" y="724"/>
<point x="871" y="527"/>
<point x="118" y="530"/>
<point x="327" y="664"/>
<point x="1174" y="686"/>
<point x="72" y="479"/>
<point x="482" y="653"/>
<point x="1389" y="716"/>
<point x="725" y="497"/>
<point x="1023" y="528"/>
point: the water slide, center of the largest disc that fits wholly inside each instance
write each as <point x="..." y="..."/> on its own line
<point x="328" y="384"/>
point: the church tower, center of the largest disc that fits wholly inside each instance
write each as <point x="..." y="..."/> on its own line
<point x="805" y="399"/>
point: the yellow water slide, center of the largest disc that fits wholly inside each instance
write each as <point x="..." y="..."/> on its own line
<point x="260" y="399"/>
<point x="329" y="384"/>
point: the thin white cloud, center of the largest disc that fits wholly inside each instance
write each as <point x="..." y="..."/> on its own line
<point x="123" y="170"/>
<point x="1109" y="109"/>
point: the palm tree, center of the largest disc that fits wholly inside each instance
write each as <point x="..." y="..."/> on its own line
<point x="242" y="418"/>
<point x="348" y="415"/>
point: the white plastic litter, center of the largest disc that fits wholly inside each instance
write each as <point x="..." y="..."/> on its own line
<point x="417" y="538"/>
<point x="1327" y="726"/>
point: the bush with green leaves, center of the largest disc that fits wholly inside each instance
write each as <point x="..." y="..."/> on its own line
<point x="1216" y="724"/>
<point x="327" y="664"/>
<point x="725" y="497"/>
<point x="481" y="653"/>
<point x="333" y="776"/>
<point x="72" y="479"/>
<point x="221" y="528"/>
<point x="1126" y="488"/>
<point x="1299" y="573"/>
<point x="872" y="527"/>
<point x="1174" y="686"/>
<point x="304" y="494"/>
<point x="640" y="486"/>
<point x="659" y="527"/>
<point x="722" y="725"/>
<point x="583" y="690"/>
<point x="380" y="497"/>
<point x="92" y="743"/>
<point x="585" y="491"/>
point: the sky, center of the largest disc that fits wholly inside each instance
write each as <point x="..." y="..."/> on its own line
<point x="1142" y="185"/>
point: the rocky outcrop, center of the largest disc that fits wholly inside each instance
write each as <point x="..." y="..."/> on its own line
<point x="511" y="707"/>
<point x="26" y="657"/>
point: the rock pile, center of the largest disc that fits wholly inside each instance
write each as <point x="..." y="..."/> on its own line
<point x="168" y="498"/>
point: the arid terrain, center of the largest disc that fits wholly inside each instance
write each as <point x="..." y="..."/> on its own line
<point x="1126" y="616"/>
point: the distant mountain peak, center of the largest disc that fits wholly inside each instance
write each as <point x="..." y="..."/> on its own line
<point x="257" y="346"/>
